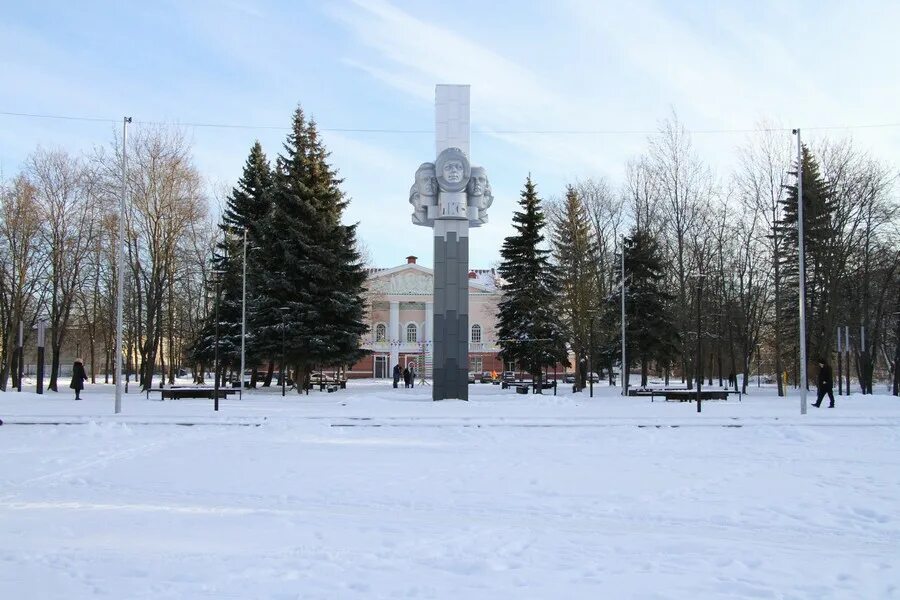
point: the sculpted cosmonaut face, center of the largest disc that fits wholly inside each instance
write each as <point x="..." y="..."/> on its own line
<point x="425" y="180"/>
<point x="452" y="169"/>
<point x="477" y="182"/>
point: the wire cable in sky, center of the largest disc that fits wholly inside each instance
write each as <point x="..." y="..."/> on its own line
<point x="431" y="131"/>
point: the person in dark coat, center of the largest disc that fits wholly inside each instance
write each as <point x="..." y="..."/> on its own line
<point x="396" y="375"/>
<point x="826" y="383"/>
<point x="406" y="377"/>
<point x="78" y="377"/>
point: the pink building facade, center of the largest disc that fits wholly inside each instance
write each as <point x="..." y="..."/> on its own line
<point x="400" y="303"/>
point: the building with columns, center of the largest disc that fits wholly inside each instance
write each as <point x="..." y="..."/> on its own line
<point x="401" y="313"/>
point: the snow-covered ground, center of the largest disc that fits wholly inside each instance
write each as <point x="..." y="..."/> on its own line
<point x="373" y="492"/>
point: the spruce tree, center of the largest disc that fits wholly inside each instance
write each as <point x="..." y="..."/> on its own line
<point x="818" y="239"/>
<point x="575" y="257"/>
<point x="313" y="279"/>
<point x="650" y="330"/>
<point x="246" y="208"/>
<point x="529" y="327"/>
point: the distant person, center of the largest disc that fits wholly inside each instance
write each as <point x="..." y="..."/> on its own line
<point x="406" y="377"/>
<point x="396" y="374"/>
<point x="78" y="377"/>
<point x="826" y="384"/>
<point x="732" y="380"/>
<point x="412" y="377"/>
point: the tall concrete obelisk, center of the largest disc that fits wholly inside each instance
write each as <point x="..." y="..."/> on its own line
<point x="450" y="195"/>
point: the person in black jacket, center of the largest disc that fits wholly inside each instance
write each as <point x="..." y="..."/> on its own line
<point x="396" y="375"/>
<point x="826" y="383"/>
<point x="78" y="377"/>
<point x="406" y="377"/>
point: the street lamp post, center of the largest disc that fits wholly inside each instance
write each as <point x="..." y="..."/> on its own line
<point x="699" y="361"/>
<point x="758" y="365"/>
<point x="20" y="359"/>
<point x="120" y="272"/>
<point x="896" y="386"/>
<point x="41" y="335"/>
<point x="243" y="315"/>
<point x="218" y="277"/>
<point x="283" y="310"/>
<point x="591" y="357"/>
<point x="624" y="374"/>
<point x="802" y="263"/>
<point x="840" y="369"/>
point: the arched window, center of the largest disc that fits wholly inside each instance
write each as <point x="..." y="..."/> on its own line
<point x="380" y="332"/>
<point x="412" y="333"/>
<point x="476" y="334"/>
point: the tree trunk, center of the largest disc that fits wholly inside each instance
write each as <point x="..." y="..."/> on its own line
<point x="93" y="353"/>
<point x="54" y="367"/>
<point x="270" y="371"/>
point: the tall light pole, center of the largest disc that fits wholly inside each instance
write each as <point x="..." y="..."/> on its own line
<point x="41" y="334"/>
<point x="624" y="373"/>
<point x="801" y="255"/>
<point x="20" y="358"/>
<point x="895" y="390"/>
<point x="758" y="365"/>
<point x="120" y="270"/>
<point x="243" y="314"/>
<point x="218" y="277"/>
<point x="699" y="362"/>
<point x="840" y="370"/>
<point x="847" y="358"/>
<point x="591" y="356"/>
<point x="283" y="310"/>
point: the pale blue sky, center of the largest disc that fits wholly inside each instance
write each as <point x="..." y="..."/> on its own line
<point x="561" y="65"/>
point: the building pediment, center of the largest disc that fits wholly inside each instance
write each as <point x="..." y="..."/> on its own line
<point x="409" y="282"/>
<point x="412" y="280"/>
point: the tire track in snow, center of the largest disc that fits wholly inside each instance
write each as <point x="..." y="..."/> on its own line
<point x="800" y="539"/>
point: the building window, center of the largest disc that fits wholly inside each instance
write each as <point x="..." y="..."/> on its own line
<point x="476" y="364"/>
<point x="476" y="334"/>
<point x="380" y="332"/>
<point x="412" y="333"/>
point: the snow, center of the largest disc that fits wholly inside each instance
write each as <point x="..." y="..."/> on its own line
<point x="375" y="492"/>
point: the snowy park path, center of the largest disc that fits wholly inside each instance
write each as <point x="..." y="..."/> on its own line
<point x="500" y="498"/>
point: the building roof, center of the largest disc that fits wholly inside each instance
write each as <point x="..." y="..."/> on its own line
<point x="482" y="280"/>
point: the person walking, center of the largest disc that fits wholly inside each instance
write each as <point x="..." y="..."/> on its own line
<point x="78" y="377"/>
<point x="406" y="377"/>
<point x="396" y="375"/>
<point x="826" y="383"/>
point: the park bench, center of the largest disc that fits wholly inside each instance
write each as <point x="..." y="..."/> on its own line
<point x="522" y="387"/>
<point x="691" y="395"/>
<point x="681" y="394"/>
<point x="178" y="393"/>
<point x="326" y="383"/>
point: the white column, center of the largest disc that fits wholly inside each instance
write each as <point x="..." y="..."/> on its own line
<point x="451" y="117"/>
<point x="394" y="334"/>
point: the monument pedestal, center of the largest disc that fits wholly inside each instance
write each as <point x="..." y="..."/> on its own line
<point x="451" y="310"/>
